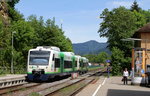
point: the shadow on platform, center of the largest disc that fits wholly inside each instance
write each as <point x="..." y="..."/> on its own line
<point x="113" y="92"/>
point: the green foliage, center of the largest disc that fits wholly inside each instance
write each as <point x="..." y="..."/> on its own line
<point x="14" y="15"/>
<point x="140" y="19"/>
<point x="49" y="34"/>
<point x="4" y="45"/>
<point x="118" y="24"/>
<point x="146" y="14"/>
<point x="23" y="41"/>
<point x="100" y="58"/>
<point x="117" y="60"/>
<point x="27" y="34"/>
<point x="12" y="3"/>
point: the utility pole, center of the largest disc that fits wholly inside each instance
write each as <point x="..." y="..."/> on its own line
<point x="12" y="41"/>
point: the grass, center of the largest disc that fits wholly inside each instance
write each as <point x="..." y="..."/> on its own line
<point x="94" y="68"/>
<point x="34" y="94"/>
<point x="67" y="90"/>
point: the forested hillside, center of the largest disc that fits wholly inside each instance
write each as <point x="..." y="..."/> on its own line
<point x="90" y="47"/>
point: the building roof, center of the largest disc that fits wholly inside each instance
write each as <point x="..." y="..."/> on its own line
<point x="145" y="28"/>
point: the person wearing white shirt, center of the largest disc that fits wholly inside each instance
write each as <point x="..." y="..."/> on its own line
<point x="125" y="76"/>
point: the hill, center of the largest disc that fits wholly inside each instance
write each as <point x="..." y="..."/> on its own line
<point x="90" y="47"/>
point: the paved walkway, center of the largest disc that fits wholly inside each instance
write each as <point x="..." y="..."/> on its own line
<point x="113" y="87"/>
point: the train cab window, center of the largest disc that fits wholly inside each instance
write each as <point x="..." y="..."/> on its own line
<point x="57" y="62"/>
<point x="39" y="57"/>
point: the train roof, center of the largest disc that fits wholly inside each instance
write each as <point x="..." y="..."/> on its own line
<point x="48" y="48"/>
<point x="77" y="56"/>
<point x="68" y="53"/>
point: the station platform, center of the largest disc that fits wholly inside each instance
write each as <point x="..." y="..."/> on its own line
<point x="11" y="76"/>
<point x="113" y="86"/>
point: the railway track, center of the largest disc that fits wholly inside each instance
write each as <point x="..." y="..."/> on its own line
<point x="50" y="88"/>
<point x="73" y="88"/>
<point x="26" y="89"/>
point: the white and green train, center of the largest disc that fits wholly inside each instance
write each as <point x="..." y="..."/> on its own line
<point x="46" y="62"/>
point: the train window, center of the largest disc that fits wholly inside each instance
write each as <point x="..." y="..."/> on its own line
<point x="57" y="62"/>
<point x="39" y="60"/>
<point x="67" y="64"/>
<point x="39" y="57"/>
<point x="75" y="63"/>
<point x="40" y="53"/>
<point x="81" y="64"/>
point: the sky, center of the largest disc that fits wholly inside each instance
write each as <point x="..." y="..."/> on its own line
<point x="79" y="18"/>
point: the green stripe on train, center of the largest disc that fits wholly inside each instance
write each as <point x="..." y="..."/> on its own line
<point x="29" y="72"/>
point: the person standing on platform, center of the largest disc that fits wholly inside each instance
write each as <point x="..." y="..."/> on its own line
<point x="108" y="71"/>
<point x="125" y="76"/>
<point x="138" y="65"/>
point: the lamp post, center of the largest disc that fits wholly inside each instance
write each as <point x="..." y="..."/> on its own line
<point x="61" y="21"/>
<point x="12" y="41"/>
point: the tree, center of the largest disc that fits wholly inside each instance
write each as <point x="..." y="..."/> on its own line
<point x="23" y="41"/>
<point x="29" y="34"/>
<point x="39" y="28"/>
<point x="49" y="34"/>
<point x="102" y="57"/>
<point x="117" y="24"/>
<point x="135" y="6"/>
<point x="14" y="15"/>
<point x="146" y="13"/>
<point x="12" y="3"/>
<point x="117" y="60"/>
<point x="140" y="19"/>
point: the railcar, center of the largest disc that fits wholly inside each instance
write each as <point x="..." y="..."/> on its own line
<point x="83" y="65"/>
<point x="46" y="62"/>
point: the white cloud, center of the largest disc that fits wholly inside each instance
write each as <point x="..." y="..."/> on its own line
<point x="122" y="3"/>
<point x="115" y="4"/>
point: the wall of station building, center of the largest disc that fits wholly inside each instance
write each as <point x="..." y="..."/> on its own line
<point x="146" y="44"/>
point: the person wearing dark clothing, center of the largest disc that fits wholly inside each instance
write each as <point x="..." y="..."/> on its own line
<point x="108" y="71"/>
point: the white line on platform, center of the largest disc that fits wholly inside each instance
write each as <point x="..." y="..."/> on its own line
<point x="104" y="81"/>
<point x="99" y="87"/>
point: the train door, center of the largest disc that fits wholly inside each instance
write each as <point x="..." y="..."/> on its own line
<point x="53" y="63"/>
<point x="62" y="64"/>
<point x="73" y="63"/>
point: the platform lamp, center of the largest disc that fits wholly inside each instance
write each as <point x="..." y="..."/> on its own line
<point x="12" y="41"/>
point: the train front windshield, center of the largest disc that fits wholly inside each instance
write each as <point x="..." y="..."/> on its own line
<point x="39" y="57"/>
